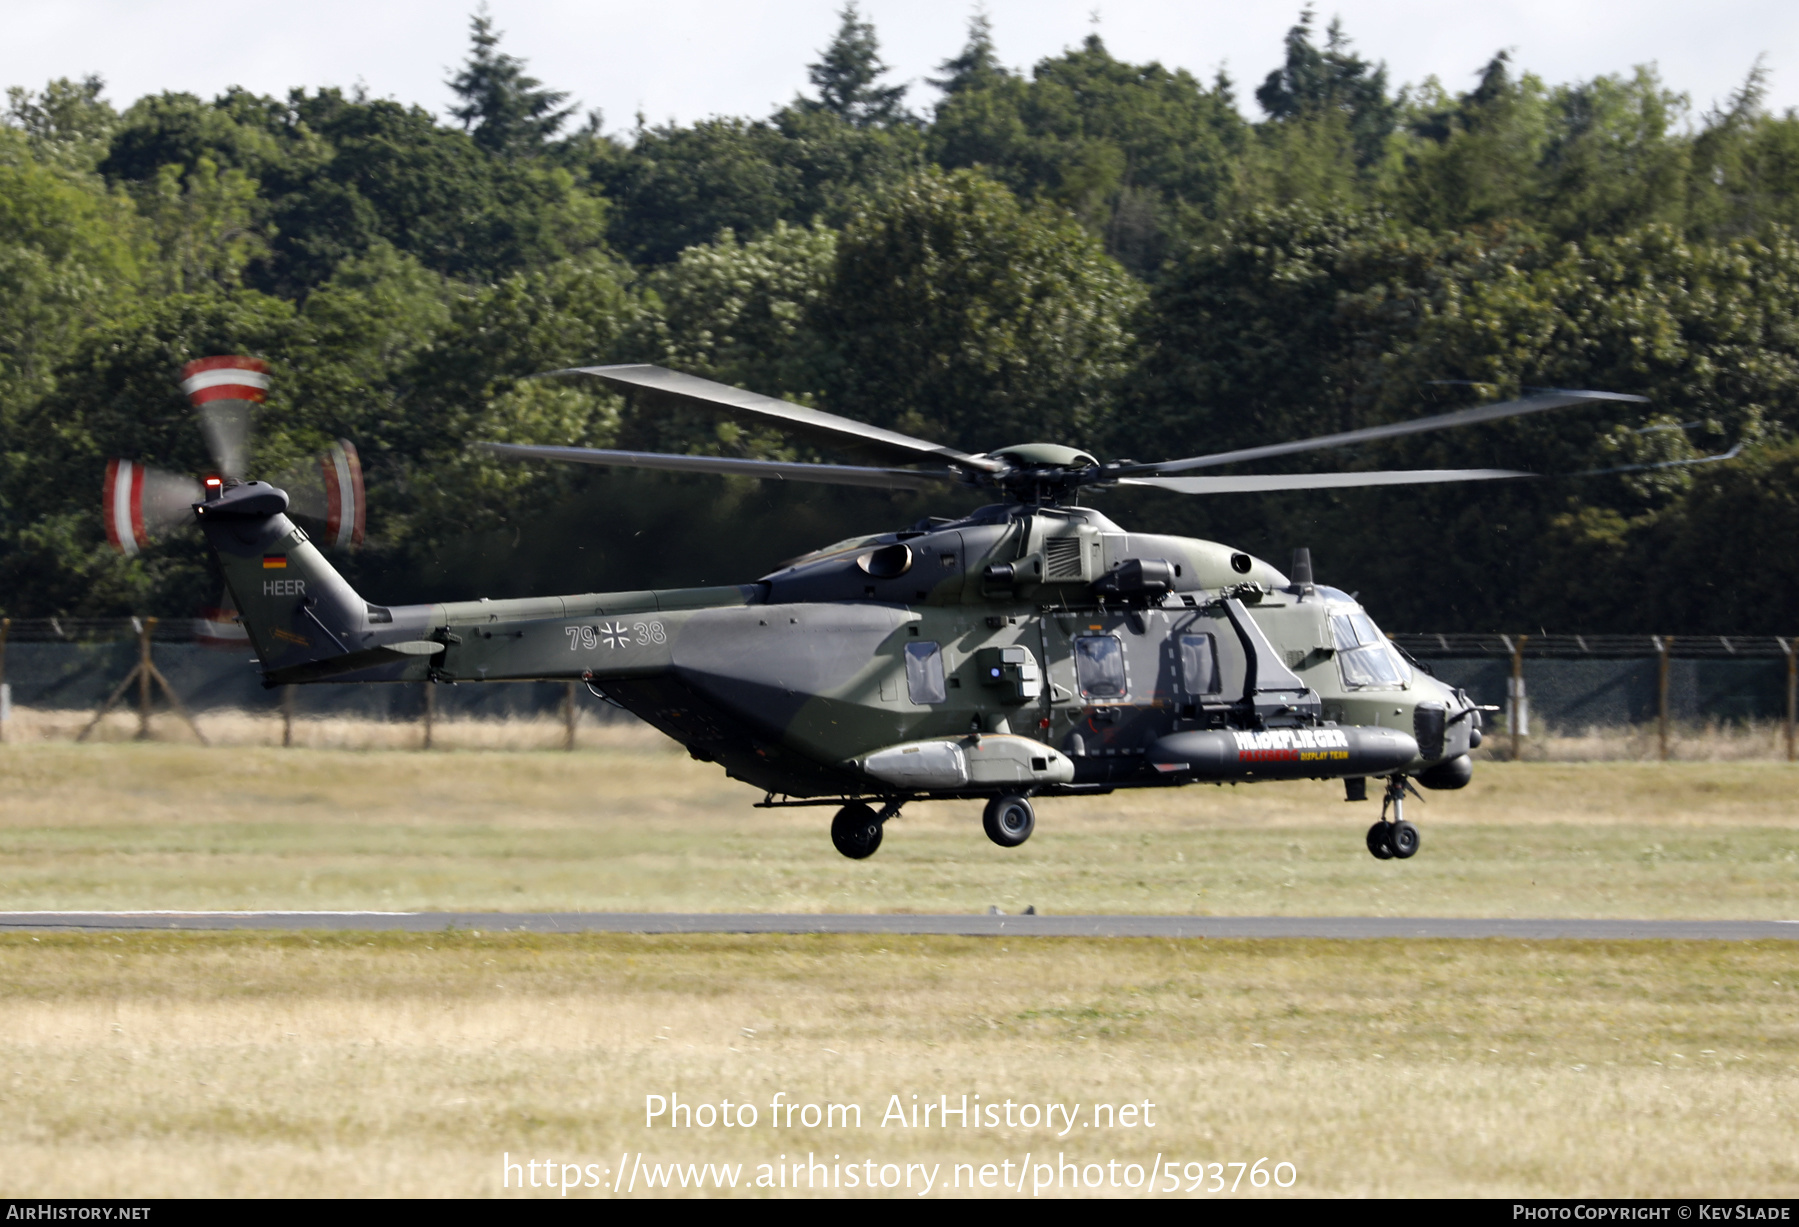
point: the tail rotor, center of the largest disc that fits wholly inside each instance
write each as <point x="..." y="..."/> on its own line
<point x="329" y="490"/>
<point x="141" y="504"/>
<point x="225" y="392"/>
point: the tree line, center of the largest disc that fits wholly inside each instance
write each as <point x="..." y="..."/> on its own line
<point x="1094" y="252"/>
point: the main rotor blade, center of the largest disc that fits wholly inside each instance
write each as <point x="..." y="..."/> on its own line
<point x="1732" y="454"/>
<point x="1441" y="421"/>
<point x="783" y="414"/>
<point x="777" y="470"/>
<point x="1258" y="484"/>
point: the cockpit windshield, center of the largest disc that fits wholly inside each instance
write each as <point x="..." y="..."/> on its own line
<point x="1366" y="659"/>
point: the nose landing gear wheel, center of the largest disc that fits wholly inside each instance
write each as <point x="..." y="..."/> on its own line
<point x="1009" y="821"/>
<point x="1397" y="839"/>
<point x="1378" y="843"/>
<point x="856" y="831"/>
<point x="1403" y="839"/>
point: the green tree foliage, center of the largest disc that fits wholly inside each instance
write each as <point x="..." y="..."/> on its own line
<point x="677" y="187"/>
<point x="474" y="381"/>
<point x="119" y="398"/>
<point x="1353" y="255"/>
<point x="680" y="187"/>
<point x="738" y="312"/>
<point x="332" y="174"/>
<point x="978" y="66"/>
<point x="1128" y="148"/>
<point x="395" y="174"/>
<point x="1299" y="323"/>
<point x="72" y="259"/>
<point x="847" y="77"/>
<point x="1331" y="81"/>
<point x="960" y="314"/>
<point x="67" y="123"/>
<point x="506" y="110"/>
<point x="1600" y="157"/>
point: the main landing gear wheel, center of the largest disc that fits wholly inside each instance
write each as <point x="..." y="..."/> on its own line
<point x="1404" y="839"/>
<point x="1009" y="821"/>
<point x="856" y="831"/>
<point x="1378" y="843"/>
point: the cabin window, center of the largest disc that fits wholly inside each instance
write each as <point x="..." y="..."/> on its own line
<point x="1099" y="665"/>
<point x="924" y="673"/>
<point x="1364" y="656"/>
<point x="1199" y="665"/>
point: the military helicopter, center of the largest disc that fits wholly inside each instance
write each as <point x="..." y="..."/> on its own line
<point x="1030" y="649"/>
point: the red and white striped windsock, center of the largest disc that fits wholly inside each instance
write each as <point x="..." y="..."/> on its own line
<point x="224" y="391"/>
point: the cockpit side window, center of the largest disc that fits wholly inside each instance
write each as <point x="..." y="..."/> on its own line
<point x="1199" y="665"/>
<point x="1365" y="658"/>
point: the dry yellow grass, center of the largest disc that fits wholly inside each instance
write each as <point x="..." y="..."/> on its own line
<point x="630" y="825"/>
<point x="1706" y="742"/>
<point x="242" y="1064"/>
<point x="406" y="1064"/>
<point x="228" y="728"/>
<point x="1711" y="741"/>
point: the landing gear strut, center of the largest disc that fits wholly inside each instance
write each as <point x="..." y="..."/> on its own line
<point x="856" y="830"/>
<point x="1397" y="838"/>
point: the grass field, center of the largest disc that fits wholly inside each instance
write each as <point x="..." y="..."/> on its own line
<point x="407" y="1064"/>
<point x="633" y="826"/>
<point x="158" y="1064"/>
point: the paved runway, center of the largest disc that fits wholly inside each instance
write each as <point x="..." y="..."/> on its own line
<point x="1346" y="927"/>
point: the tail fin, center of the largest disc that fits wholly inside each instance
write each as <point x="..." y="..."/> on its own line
<point x="304" y="620"/>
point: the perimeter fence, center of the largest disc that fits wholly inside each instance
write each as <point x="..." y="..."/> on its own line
<point x="1568" y="696"/>
<point x="58" y="674"/>
<point x="1645" y="695"/>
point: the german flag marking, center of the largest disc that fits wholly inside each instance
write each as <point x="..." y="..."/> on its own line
<point x="274" y="562"/>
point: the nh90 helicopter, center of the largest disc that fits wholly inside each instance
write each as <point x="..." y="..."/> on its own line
<point x="1030" y="649"/>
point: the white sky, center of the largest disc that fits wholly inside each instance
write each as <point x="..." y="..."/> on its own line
<point x="686" y="59"/>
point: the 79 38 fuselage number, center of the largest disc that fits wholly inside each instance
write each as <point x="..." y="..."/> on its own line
<point x="615" y="635"/>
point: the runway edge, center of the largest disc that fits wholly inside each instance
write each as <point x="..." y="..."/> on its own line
<point x="1329" y="927"/>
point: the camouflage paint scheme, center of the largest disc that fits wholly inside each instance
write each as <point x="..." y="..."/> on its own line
<point x="794" y="682"/>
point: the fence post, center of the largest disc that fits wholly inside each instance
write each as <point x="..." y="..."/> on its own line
<point x="1518" y="716"/>
<point x="430" y="710"/>
<point x="569" y="712"/>
<point x="1792" y="654"/>
<point x="143" y="678"/>
<point x="1663" y="646"/>
<point x="287" y="716"/>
